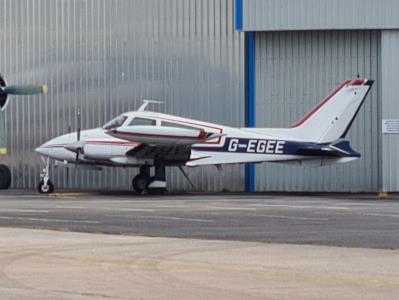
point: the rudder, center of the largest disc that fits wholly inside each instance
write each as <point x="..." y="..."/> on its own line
<point x="332" y="117"/>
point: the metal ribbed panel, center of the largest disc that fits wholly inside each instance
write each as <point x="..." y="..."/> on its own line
<point x="105" y="56"/>
<point x="295" y="71"/>
<point x="265" y="15"/>
<point x="390" y="108"/>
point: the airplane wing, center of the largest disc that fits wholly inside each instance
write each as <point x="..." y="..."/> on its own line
<point x="169" y="144"/>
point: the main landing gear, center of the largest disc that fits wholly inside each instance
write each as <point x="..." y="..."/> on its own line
<point x="153" y="185"/>
<point x="45" y="185"/>
<point x="143" y="182"/>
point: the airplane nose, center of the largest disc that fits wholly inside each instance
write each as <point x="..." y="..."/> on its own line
<point x="54" y="146"/>
<point x="41" y="150"/>
<point x="44" y="149"/>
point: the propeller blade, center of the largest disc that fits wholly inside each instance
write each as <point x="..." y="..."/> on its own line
<point x="77" y="157"/>
<point x="78" y="149"/>
<point x="78" y="129"/>
<point x="25" y="89"/>
<point x="78" y="152"/>
<point x="6" y="90"/>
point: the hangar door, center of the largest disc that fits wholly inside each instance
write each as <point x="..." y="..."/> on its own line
<point x="295" y="71"/>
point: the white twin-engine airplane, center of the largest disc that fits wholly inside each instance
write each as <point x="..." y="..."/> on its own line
<point x="148" y="139"/>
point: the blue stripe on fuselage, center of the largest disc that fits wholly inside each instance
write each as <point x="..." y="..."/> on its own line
<point x="279" y="147"/>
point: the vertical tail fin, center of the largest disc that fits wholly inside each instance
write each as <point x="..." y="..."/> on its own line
<point x="332" y="118"/>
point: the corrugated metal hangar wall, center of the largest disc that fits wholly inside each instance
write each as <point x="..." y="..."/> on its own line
<point x="104" y="57"/>
<point x="295" y="71"/>
<point x="301" y="51"/>
<point x="389" y="92"/>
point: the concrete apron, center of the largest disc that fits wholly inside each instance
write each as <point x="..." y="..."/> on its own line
<point x="41" y="264"/>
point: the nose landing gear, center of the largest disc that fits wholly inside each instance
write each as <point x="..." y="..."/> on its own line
<point x="45" y="185"/>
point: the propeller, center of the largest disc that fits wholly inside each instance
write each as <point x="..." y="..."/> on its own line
<point x="79" y="149"/>
<point x="76" y="147"/>
<point x="6" y="90"/>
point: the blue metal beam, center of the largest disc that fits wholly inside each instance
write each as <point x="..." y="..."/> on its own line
<point x="250" y="101"/>
<point x="238" y="15"/>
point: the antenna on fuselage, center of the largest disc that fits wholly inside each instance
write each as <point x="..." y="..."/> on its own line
<point x="146" y="102"/>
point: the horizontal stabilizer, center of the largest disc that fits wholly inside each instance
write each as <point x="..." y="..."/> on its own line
<point x="320" y="162"/>
<point x="339" y="148"/>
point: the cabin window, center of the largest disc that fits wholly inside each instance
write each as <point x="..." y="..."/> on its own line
<point x="115" y="123"/>
<point x="142" y="122"/>
<point x="176" y="125"/>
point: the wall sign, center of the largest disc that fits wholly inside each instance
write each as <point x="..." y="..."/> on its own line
<point x="390" y="126"/>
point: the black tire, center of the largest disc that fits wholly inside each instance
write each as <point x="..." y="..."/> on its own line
<point x="156" y="191"/>
<point x="42" y="190"/>
<point x="5" y="177"/>
<point x="141" y="182"/>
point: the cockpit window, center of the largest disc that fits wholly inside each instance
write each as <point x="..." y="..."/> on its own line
<point x="177" y="125"/>
<point x="114" y="123"/>
<point x="142" y="122"/>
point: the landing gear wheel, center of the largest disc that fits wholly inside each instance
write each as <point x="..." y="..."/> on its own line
<point x="158" y="182"/>
<point x="45" y="189"/>
<point x="140" y="182"/>
<point x="156" y="191"/>
<point x="5" y="177"/>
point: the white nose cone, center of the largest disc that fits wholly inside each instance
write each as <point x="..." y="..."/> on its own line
<point x="52" y="146"/>
<point x="44" y="149"/>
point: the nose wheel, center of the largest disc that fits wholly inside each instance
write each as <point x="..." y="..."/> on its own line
<point x="45" y="185"/>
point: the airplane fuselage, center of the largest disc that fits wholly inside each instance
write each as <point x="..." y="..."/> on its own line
<point x="148" y="139"/>
<point x="233" y="145"/>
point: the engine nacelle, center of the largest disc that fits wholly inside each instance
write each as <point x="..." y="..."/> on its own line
<point x="97" y="151"/>
<point x="106" y="150"/>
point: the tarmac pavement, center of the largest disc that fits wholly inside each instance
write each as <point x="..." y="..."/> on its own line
<point x="41" y="264"/>
<point x="337" y="220"/>
<point x="200" y="246"/>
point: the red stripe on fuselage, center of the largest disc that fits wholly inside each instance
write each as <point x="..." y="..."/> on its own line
<point x="113" y="143"/>
<point x="157" y="135"/>
<point x="97" y="143"/>
<point x="193" y="123"/>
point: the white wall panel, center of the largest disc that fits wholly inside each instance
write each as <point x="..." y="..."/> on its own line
<point x="280" y="15"/>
